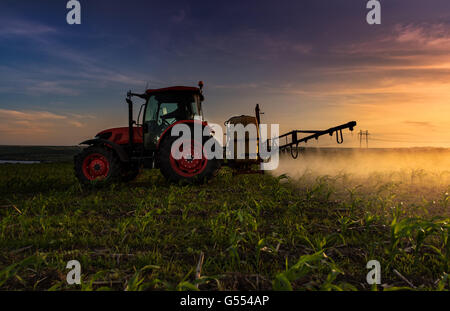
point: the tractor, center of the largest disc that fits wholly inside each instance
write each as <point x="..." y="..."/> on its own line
<point x="119" y="154"/>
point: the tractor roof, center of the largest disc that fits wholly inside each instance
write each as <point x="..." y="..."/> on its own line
<point x="173" y="88"/>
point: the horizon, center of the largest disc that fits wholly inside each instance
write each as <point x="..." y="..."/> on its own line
<point x="305" y="147"/>
<point x="310" y="65"/>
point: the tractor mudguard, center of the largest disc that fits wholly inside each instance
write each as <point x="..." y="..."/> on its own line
<point x="117" y="148"/>
<point x="188" y="122"/>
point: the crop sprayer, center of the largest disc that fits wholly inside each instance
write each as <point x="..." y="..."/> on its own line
<point x="121" y="153"/>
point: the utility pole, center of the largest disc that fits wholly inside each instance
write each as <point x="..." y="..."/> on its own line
<point x="362" y="134"/>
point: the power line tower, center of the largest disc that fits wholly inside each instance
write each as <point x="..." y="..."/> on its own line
<point x="362" y="134"/>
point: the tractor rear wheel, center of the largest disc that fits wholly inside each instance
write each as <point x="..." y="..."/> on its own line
<point x="97" y="165"/>
<point x="187" y="167"/>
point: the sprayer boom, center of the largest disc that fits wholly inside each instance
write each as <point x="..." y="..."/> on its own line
<point x="294" y="141"/>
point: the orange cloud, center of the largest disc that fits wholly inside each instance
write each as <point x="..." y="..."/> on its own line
<point x="38" y="127"/>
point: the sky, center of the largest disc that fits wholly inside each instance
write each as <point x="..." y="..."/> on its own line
<point x="310" y="64"/>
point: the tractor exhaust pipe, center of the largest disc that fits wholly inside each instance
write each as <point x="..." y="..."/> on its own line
<point x="130" y="115"/>
<point x="130" y="119"/>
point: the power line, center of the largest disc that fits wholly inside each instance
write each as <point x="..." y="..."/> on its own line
<point x="362" y="134"/>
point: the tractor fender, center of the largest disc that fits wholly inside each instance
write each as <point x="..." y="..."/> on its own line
<point x="117" y="148"/>
<point x="166" y="132"/>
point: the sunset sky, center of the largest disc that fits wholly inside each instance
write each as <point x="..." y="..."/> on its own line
<point x="310" y="64"/>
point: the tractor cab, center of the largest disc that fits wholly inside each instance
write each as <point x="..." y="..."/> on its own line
<point x="167" y="106"/>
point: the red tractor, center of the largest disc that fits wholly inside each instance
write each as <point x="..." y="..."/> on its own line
<point x="120" y="153"/>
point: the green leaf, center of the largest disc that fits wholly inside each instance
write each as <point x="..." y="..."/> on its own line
<point x="281" y="283"/>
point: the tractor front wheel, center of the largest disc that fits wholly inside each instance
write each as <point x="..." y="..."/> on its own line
<point x="97" y="165"/>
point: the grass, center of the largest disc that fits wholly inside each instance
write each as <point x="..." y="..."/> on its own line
<point x="257" y="232"/>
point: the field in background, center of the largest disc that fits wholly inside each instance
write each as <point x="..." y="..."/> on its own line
<point x="314" y="228"/>
<point x="38" y="153"/>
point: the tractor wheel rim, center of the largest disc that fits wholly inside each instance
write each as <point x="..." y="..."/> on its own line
<point x="188" y="163"/>
<point x="95" y="166"/>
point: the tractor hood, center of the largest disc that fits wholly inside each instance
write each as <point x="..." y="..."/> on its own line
<point x="119" y="135"/>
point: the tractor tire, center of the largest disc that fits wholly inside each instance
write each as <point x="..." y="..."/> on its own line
<point x="96" y="165"/>
<point x="185" y="171"/>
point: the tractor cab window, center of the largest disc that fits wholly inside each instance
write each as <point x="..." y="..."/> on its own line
<point x="169" y="112"/>
<point x="200" y="110"/>
<point x="151" y="112"/>
<point x="164" y="109"/>
<point x="197" y="107"/>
